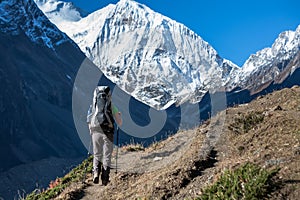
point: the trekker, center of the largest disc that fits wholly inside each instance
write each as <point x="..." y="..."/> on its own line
<point x="101" y="117"/>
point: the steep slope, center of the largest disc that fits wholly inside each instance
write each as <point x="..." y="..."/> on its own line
<point x="151" y="57"/>
<point x="37" y="70"/>
<point x="265" y="132"/>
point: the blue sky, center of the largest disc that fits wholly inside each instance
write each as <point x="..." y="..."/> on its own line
<point x="235" y="28"/>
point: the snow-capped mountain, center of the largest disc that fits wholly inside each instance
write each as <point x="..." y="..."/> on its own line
<point x="155" y="59"/>
<point x="30" y="20"/>
<point x="270" y="64"/>
<point x="60" y="11"/>
<point x="160" y="61"/>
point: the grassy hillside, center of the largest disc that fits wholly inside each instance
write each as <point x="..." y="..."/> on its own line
<point x="256" y="157"/>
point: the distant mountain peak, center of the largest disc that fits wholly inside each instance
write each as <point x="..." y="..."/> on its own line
<point x="268" y="64"/>
<point x="57" y="10"/>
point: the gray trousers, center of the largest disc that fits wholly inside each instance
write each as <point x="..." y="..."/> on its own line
<point x="102" y="149"/>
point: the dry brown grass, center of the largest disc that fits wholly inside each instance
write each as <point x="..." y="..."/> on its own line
<point x="271" y="142"/>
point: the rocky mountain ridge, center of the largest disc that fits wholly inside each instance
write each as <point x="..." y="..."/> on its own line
<point x="24" y="16"/>
<point x="271" y="64"/>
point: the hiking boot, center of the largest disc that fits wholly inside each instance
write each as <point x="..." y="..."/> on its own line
<point x="105" y="176"/>
<point x="96" y="177"/>
<point x="105" y="182"/>
<point x="96" y="173"/>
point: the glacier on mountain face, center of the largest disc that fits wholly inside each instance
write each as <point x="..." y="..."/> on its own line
<point x="150" y="56"/>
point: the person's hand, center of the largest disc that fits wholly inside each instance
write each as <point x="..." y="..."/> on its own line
<point x="118" y="118"/>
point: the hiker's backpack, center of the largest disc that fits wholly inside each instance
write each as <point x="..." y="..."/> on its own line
<point x="101" y="112"/>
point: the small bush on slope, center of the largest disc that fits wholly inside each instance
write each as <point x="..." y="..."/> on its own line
<point x="246" y="122"/>
<point x="247" y="182"/>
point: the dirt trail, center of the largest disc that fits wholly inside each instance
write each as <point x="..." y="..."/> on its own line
<point x="161" y="171"/>
<point x="160" y="156"/>
<point x="154" y="159"/>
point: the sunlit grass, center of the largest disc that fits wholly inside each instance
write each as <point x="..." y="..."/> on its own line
<point x="247" y="182"/>
<point x="57" y="186"/>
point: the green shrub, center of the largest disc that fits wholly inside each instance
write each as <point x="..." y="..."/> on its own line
<point x="246" y="122"/>
<point x="248" y="182"/>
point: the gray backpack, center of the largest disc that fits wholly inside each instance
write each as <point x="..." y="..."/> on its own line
<point x="100" y="112"/>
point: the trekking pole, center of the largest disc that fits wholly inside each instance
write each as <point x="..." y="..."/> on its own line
<point x="117" y="151"/>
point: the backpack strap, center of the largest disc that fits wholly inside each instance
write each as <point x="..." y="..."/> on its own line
<point x="106" y="107"/>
